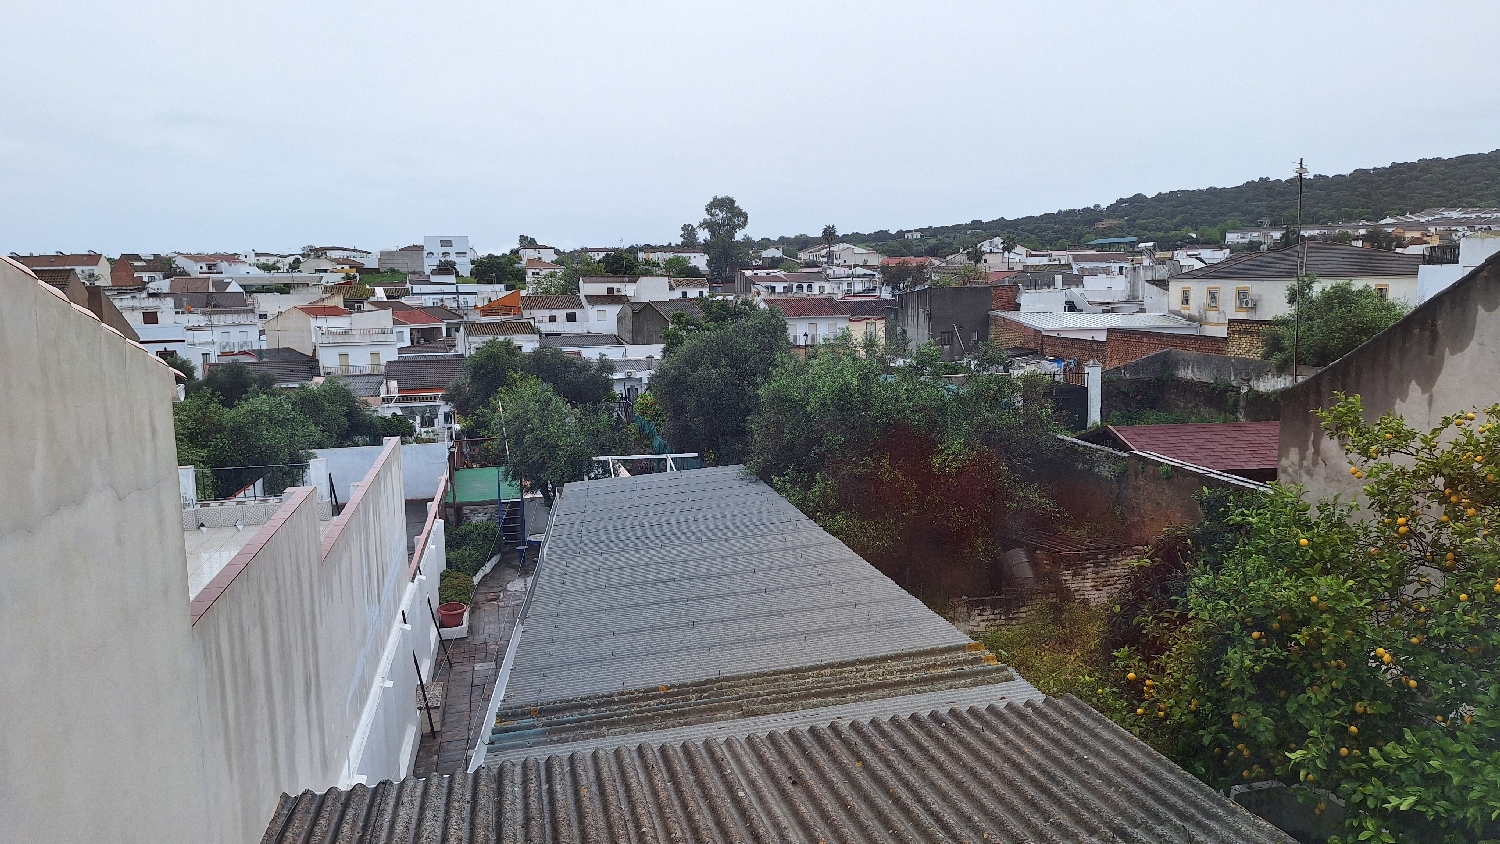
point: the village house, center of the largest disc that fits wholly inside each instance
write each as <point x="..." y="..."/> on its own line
<point x="522" y="332"/>
<point x="811" y="320"/>
<point x="439" y="248"/>
<point x="344" y="342"/>
<point x="661" y="254"/>
<point x="536" y="268"/>
<point x="841" y="254"/>
<point x="91" y="267"/>
<point x="218" y="264"/>
<point x="537" y="253"/>
<point x="1254" y="285"/>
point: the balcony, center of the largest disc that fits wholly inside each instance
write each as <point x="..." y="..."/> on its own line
<point x="353" y="369"/>
<point x="353" y="336"/>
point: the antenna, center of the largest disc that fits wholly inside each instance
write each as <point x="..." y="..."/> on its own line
<point x="1301" y="272"/>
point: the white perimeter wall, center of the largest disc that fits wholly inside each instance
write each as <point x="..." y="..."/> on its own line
<point x="297" y="651"/>
<point x="100" y="734"/>
<point x="423" y="465"/>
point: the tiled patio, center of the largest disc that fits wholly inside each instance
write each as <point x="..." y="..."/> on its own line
<point x="470" y="681"/>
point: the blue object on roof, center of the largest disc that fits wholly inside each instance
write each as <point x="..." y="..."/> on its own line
<point x="1107" y="241"/>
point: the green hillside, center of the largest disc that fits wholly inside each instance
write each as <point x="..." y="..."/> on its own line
<point x="1200" y="216"/>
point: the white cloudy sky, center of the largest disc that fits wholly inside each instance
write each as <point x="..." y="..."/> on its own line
<point x="154" y="126"/>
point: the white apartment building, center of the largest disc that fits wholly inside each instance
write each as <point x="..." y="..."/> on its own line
<point x="696" y="257"/>
<point x="1473" y="249"/>
<point x="537" y="253"/>
<point x="201" y="319"/>
<point x="844" y="254"/>
<point x="217" y="264"/>
<point x="344" y="342"/>
<point x="455" y="248"/>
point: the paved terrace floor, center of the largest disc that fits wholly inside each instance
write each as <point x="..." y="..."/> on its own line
<point x="470" y="681"/>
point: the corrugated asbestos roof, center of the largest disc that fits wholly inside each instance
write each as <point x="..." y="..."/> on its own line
<point x="686" y="576"/>
<point x="1074" y="321"/>
<point x="1051" y="770"/>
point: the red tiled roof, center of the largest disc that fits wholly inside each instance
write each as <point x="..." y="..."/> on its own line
<point x="322" y="310"/>
<point x="999" y="275"/>
<point x="414" y="317"/>
<point x="551" y="302"/>
<point x="1225" y="446"/>
<point x="61" y="261"/>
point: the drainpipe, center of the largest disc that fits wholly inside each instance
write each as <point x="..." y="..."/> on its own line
<point x="1093" y="373"/>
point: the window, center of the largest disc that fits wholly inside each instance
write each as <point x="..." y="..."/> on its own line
<point x="374" y="358"/>
<point x="820" y="288"/>
<point x="1187" y="296"/>
<point x="445" y="243"/>
<point x="552" y="317"/>
<point x="599" y="314"/>
<point x="343" y="358"/>
<point x="572" y="316"/>
<point x="1383" y="291"/>
<point x="149" y="317"/>
<point x="684" y="294"/>
<point x="945" y="339"/>
<point x="1213" y="299"/>
<point x="461" y="254"/>
<point x="429" y="254"/>
<point x="610" y="291"/>
<point x="1242" y="298"/>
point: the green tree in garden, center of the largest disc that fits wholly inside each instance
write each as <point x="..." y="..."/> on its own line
<point x="689" y="236"/>
<point x="234" y="382"/>
<point x="1351" y="651"/>
<point x="546" y="441"/>
<point x="620" y="262"/>
<point x="716" y="314"/>
<point x="181" y="364"/>
<point x="499" y="269"/>
<point x="679" y="267"/>
<point x="576" y="380"/>
<point x="492" y="367"/>
<point x="1334" y="321"/>
<point x="723" y="222"/>
<point x="708" y="384"/>
<point x="909" y="471"/>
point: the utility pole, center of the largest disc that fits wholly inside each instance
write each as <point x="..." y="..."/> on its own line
<point x="1301" y="272"/>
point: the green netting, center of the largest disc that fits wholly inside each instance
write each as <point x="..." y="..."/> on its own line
<point x="475" y="486"/>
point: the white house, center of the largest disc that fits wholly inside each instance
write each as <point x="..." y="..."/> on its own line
<point x="522" y="332"/>
<point x="536" y="268"/>
<point x="556" y="313"/>
<point x="1254" y="285"/>
<point x="214" y="264"/>
<point x="696" y="257"/>
<point x="455" y="248"/>
<point x="201" y="319"/>
<point x="344" y="343"/>
<point x="645" y="288"/>
<point x="92" y="267"/>
<point x="846" y="254"/>
<point x="811" y="320"/>
<point x="1473" y="249"/>
<point x="537" y="253"/>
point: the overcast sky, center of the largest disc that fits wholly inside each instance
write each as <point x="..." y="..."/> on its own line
<point x="157" y="126"/>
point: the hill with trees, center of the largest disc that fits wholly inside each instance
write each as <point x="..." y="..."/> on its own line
<point x="1175" y="218"/>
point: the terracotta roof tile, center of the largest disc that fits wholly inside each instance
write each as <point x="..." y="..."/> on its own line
<point x="1225" y="446"/>
<point x="322" y="310"/>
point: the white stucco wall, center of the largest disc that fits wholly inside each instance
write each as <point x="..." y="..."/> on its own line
<point x="100" y="736"/>
<point x="297" y="649"/>
<point x="423" y="465"/>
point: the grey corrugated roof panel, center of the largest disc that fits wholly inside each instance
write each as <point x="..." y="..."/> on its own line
<point x="1051" y="770"/>
<point x="998" y="694"/>
<point x="670" y="578"/>
<point x="639" y="715"/>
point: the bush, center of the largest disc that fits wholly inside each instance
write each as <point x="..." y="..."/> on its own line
<point x="471" y="545"/>
<point x="455" y="587"/>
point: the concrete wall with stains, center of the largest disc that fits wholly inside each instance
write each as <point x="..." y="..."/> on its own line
<point x="1441" y="358"/>
<point x="101" y="728"/>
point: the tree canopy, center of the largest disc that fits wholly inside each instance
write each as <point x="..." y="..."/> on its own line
<point x="264" y="432"/>
<point x="1334" y="321"/>
<point x="911" y="472"/>
<point x="708" y="384"/>
<point x="546" y="441"/>
<point x="1342" y="649"/>
<point x="723" y="222"/>
<point x="499" y="269"/>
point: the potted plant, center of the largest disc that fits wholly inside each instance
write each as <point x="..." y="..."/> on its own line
<point x="454" y="592"/>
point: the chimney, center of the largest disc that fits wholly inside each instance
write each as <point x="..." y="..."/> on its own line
<point x="1093" y="378"/>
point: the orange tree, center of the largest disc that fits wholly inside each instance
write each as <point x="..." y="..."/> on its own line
<point x="1351" y="650"/>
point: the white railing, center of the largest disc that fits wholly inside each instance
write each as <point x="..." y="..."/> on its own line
<point x="333" y="336"/>
<point x="348" y="369"/>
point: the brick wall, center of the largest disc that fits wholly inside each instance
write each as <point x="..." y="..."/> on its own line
<point x="1126" y="345"/>
<point x="1120" y="347"/>
<point x="1004" y="297"/>
<point x="1247" y="337"/>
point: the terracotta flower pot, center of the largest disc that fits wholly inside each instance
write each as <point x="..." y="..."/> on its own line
<point x="451" y="614"/>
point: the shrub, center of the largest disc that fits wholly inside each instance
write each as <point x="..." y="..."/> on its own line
<point x="1349" y="650"/>
<point x="471" y="545"/>
<point x="455" y="587"/>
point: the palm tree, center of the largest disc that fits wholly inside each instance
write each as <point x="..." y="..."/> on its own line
<point x="830" y="237"/>
<point x="1007" y="243"/>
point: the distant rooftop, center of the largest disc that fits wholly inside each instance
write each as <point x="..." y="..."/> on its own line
<point x="1325" y="260"/>
<point x="1072" y="320"/>
<point x="1248" y="449"/>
